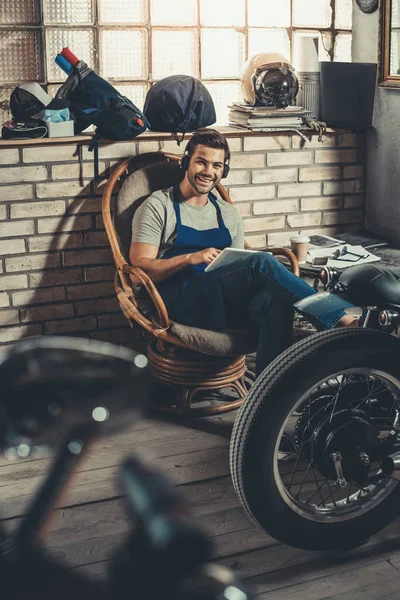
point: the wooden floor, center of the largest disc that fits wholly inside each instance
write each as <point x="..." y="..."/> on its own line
<point x="92" y="522"/>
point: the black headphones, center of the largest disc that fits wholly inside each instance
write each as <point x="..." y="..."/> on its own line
<point x="186" y="159"/>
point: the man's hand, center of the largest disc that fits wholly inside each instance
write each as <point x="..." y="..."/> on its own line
<point x="204" y="256"/>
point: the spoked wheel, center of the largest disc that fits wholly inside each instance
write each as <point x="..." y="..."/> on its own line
<point x="308" y="443"/>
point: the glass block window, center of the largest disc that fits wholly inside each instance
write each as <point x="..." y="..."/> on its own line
<point x="134" y="43"/>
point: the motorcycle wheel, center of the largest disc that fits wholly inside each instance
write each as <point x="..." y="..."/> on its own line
<point x="338" y="390"/>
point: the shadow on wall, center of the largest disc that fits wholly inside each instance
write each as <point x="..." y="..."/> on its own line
<point x="73" y="293"/>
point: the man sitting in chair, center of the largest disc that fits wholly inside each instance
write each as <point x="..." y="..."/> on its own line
<point x="181" y="230"/>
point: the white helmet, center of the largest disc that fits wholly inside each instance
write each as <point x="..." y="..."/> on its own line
<point x="269" y="80"/>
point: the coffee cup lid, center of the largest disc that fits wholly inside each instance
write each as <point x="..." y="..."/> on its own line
<point x="300" y="239"/>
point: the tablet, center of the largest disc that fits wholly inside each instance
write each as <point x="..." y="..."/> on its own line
<point x="227" y="256"/>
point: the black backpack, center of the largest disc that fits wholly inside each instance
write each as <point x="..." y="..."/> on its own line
<point x="179" y="104"/>
<point x="94" y="101"/>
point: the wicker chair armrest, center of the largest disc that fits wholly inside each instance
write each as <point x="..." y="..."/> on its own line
<point x="152" y="291"/>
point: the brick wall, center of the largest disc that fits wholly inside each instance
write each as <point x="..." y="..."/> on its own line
<point x="55" y="266"/>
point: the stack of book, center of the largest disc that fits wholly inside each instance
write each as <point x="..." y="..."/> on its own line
<point x="264" y="118"/>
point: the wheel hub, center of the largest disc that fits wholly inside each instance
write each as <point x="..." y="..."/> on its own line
<point x="347" y="434"/>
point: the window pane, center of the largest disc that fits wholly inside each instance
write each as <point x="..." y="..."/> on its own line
<point x="122" y="11"/>
<point x="269" y="13"/>
<point x="223" y="12"/>
<point x="68" y="11"/>
<point x="223" y="93"/>
<point x="174" y="52"/>
<point x="344" y="14"/>
<point x="324" y="45"/>
<point x="19" y="11"/>
<point x="135" y="92"/>
<point x="21" y="53"/>
<point x="343" y="47"/>
<point x="173" y="12"/>
<point x="222" y="53"/>
<point x="312" y="13"/>
<point x="269" y="40"/>
<point x="79" y="41"/>
<point x="123" y="54"/>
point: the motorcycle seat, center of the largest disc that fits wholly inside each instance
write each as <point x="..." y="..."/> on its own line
<point x="372" y="284"/>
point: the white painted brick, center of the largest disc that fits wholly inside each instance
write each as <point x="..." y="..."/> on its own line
<point x="94" y="307"/>
<point x="257" y="242"/>
<point x="285" y="159"/>
<point x="79" y="223"/>
<point x="274" y="176"/>
<point x="327" y="141"/>
<point x="112" y="150"/>
<point x="75" y="171"/>
<point x="46" y="313"/>
<point x="55" y="278"/>
<point x="4" y="300"/>
<point x="169" y="146"/>
<point x="345" y="216"/>
<point x="279" y="239"/>
<point x="70" y="325"/>
<point x="16" y="246"/>
<point x="62" y="189"/>
<point x="304" y="220"/>
<point x="354" y="172"/>
<point x="354" y="201"/>
<point x="320" y="173"/>
<point x="266" y="143"/>
<point x="290" y="190"/>
<point x="244" y="209"/>
<point x="9" y="156"/>
<point x="102" y="273"/>
<point x="335" y="156"/>
<point x="355" y="186"/>
<point x="154" y="146"/>
<point x="247" y="161"/>
<point x="42" y="243"/>
<point x="90" y="290"/>
<point x="95" y="238"/>
<point x="37" y="209"/>
<point x="252" y="192"/>
<point x="274" y="207"/>
<point x="237" y="178"/>
<point x="16" y="192"/>
<point x="13" y="282"/>
<point x="51" y="153"/>
<point x="84" y="205"/>
<point x="3" y="212"/>
<point x="87" y="257"/>
<point x="348" y="139"/>
<point x="16" y="228"/>
<point x="32" y="262"/>
<point x="21" y="174"/>
<point x="11" y="334"/>
<point x="235" y="144"/>
<point x="9" y="317"/>
<point x="263" y="223"/>
<point x="43" y="296"/>
<point x="320" y="203"/>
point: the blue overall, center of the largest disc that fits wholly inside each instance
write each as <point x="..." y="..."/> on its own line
<point x="255" y="292"/>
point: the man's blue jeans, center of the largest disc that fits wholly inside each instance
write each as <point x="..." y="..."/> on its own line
<point x="255" y="292"/>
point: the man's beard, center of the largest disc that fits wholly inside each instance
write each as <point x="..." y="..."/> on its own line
<point x="200" y="190"/>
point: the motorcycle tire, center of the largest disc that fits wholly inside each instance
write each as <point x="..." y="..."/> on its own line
<point x="260" y="422"/>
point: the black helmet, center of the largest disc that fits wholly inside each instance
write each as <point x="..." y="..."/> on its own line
<point x="269" y="80"/>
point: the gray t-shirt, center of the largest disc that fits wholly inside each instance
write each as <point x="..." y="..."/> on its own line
<point x="154" y="222"/>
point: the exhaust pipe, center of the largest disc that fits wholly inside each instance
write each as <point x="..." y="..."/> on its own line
<point x="391" y="466"/>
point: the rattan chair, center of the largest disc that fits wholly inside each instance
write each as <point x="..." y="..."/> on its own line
<point x="187" y="359"/>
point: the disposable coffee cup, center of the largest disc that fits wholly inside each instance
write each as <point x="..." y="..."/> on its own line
<point x="299" y="246"/>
